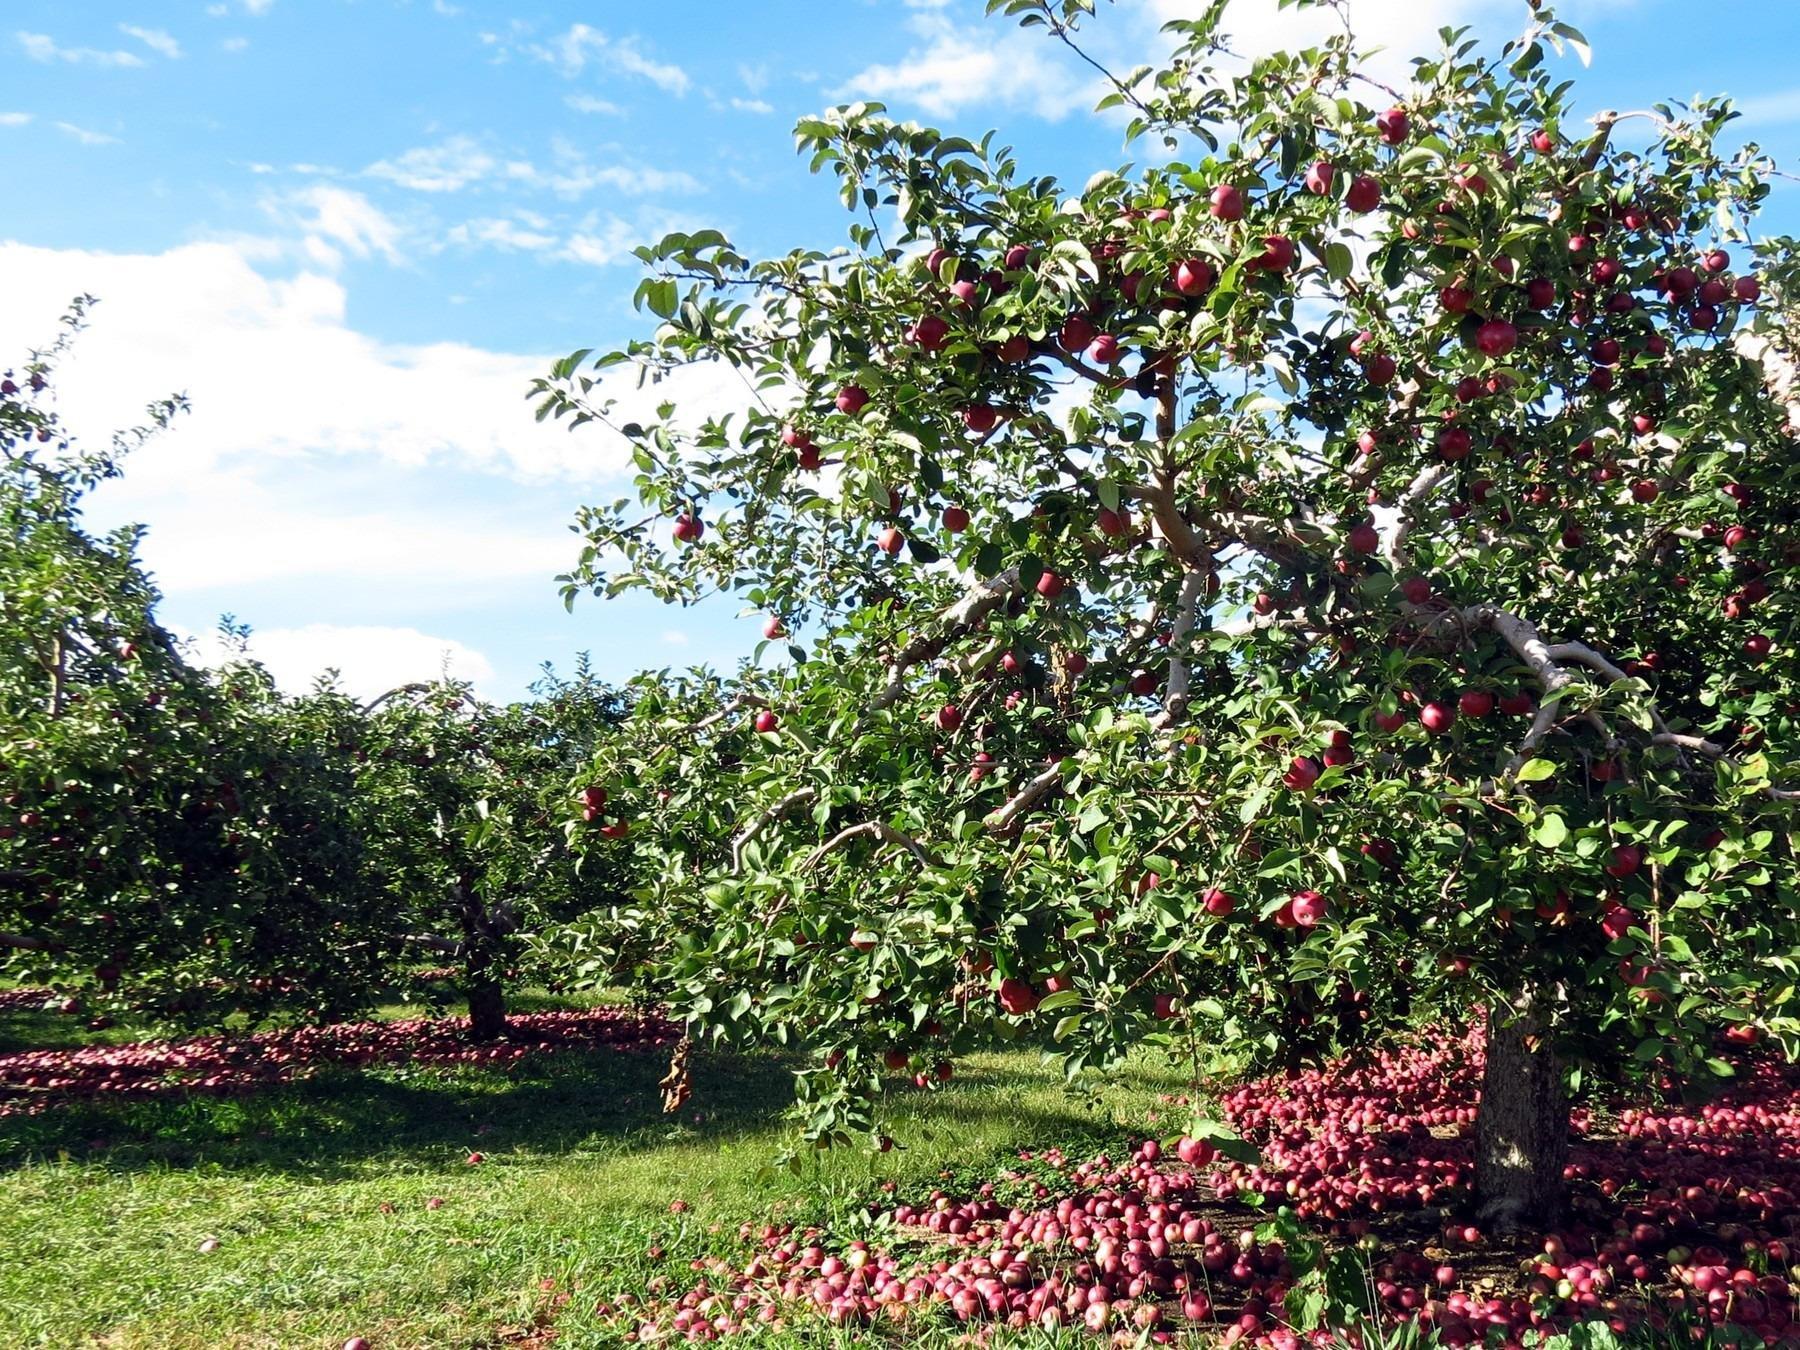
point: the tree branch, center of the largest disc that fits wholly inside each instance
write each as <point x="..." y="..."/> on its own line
<point x="981" y="601"/>
<point x="765" y="818"/>
<point x="1175" y="692"/>
<point x="1002" y="819"/>
<point x="879" y="829"/>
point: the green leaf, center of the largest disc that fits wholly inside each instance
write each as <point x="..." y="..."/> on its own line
<point x="1535" y="770"/>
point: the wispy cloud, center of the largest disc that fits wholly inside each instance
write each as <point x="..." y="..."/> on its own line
<point x="753" y="105"/>
<point x="156" y="39"/>
<point x="333" y="221"/>
<point x="85" y="136"/>
<point x="1782" y="105"/>
<point x="43" y="47"/>
<point x="449" y="166"/>
<point x="517" y="235"/>
<point x="587" y="103"/>
<point x="14" y="119"/>
<point x="572" y="51"/>
<point x="956" y="68"/>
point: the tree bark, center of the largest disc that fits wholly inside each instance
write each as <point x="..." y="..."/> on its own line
<point x="1522" y="1128"/>
<point x="487" y="1006"/>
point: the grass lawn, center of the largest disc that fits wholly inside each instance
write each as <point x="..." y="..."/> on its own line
<point x="318" y="1193"/>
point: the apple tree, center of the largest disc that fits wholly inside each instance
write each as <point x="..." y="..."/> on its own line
<point x="467" y="827"/>
<point x="1332" y="575"/>
<point x="174" y="841"/>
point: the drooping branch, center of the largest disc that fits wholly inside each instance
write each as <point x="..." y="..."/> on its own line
<point x="396" y="692"/>
<point x="763" y="819"/>
<point x="879" y="829"/>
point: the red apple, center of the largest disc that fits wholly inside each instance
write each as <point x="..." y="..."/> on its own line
<point x="1437" y="718"/>
<point x="891" y="540"/>
<point x="852" y="399"/>
<point x="949" y="717"/>
<point x="767" y="721"/>
<point x="1227" y="203"/>
<point x="956" y="520"/>
<point x="1364" y="194"/>
<point x="1475" y="703"/>
<point x="1392" y="126"/>
<point x="689" y="528"/>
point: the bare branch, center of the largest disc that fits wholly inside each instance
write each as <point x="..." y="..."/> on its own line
<point x="736" y="705"/>
<point x="1175" y="692"/>
<point x="981" y="601"/>
<point x="764" y="818"/>
<point x="1409" y="501"/>
<point x="880" y="829"/>
<point x="430" y="942"/>
<point x="1003" y="818"/>
<point x="26" y="944"/>
<point x="396" y="692"/>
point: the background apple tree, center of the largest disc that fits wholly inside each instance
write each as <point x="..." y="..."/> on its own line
<point x="1333" y="575"/>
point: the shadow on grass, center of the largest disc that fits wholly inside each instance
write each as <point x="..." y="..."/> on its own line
<point x="343" y="1122"/>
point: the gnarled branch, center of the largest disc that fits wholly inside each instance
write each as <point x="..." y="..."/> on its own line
<point x="879" y="829"/>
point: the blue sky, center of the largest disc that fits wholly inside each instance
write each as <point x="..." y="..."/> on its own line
<point x="353" y="230"/>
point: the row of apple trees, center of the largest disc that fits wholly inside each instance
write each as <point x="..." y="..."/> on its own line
<point x="189" y="843"/>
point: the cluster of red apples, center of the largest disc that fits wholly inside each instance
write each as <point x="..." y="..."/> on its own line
<point x="1675" y="1209"/>
<point x="34" y="1080"/>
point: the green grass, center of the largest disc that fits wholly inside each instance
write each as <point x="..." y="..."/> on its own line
<point x="105" y="1207"/>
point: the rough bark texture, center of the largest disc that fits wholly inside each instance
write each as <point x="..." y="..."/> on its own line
<point x="487" y="1007"/>
<point x="1522" y="1130"/>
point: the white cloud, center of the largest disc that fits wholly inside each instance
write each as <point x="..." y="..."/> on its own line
<point x="258" y="6"/>
<point x="507" y="235"/>
<point x="156" y="39"/>
<point x="587" y="103"/>
<point x="85" y="136"/>
<point x="369" y="659"/>
<point x="573" y="176"/>
<point x="334" y="219"/>
<point x="570" y="53"/>
<point x="675" y="637"/>
<point x="957" y="68"/>
<point x="1781" y="106"/>
<point x="752" y="105"/>
<point x="43" y="47"/>
<point x="275" y="371"/>
<point x="235" y="45"/>
<point x="755" y="78"/>
<point x="449" y="166"/>
<point x="604" y="242"/>
<point x="14" y="119"/>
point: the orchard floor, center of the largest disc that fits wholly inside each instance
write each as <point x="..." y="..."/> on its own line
<point x="345" y="1204"/>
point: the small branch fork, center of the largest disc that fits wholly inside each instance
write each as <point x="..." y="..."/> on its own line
<point x="878" y="829"/>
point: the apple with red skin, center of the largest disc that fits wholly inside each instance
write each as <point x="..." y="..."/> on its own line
<point x="1076" y="333"/>
<point x="930" y="334"/>
<point x="1437" y="718"/>
<point x="356" y="1343"/>
<point x="1103" y="350"/>
<point x="1143" y="683"/>
<point x="1015" y="349"/>
<point x="949" y="717"/>
<point x="890" y="541"/>
<point x="1390" y="722"/>
<point x="1307" y="908"/>
<point x="1496" y="338"/>
<point x="1476" y="703"/>
<point x="767" y="721"/>
<point x="1110" y="523"/>
<point x="1195" y="276"/>
<point x="1416" y="590"/>
<point x="1017" y="998"/>
<point x="981" y="418"/>
<point x="852" y="399"/>
<point x="1747" y="289"/>
<point x="1302" y="773"/>
<point x="1363" y="538"/>
<point x="1393" y="126"/>
<point x="1645" y="491"/>
<point x="955" y="519"/>
<point x="1217" y="903"/>
<point x="1278" y="254"/>
<point x="617" y="830"/>
<point x="689" y="528"/>
<point x="1050" y="584"/>
<point x="1364" y="194"/>
<point x="1542" y="141"/>
<point x="1319" y="178"/>
<point x="1625" y="861"/>
<point x="1758" y="646"/>
<point x="1380" y="368"/>
<point x="1226" y="203"/>
<point x="1456" y="298"/>
<point x="1516" y="704"/>
<point x="1735" y="537"/>
<point x="1454" y="443"/>
<point x="773" y="628"/>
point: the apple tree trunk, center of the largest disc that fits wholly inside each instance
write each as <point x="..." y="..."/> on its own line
<point x="487" y="1006"/>
<point x="1522" y="1127"/>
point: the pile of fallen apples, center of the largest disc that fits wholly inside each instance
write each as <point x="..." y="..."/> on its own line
<point x="1673" y="1215"/>
<point x="34" y="1080"/>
